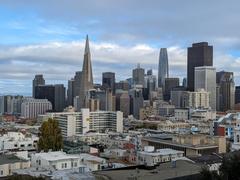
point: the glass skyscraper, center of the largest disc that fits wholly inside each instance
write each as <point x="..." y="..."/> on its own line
<point x="162" y="67"/>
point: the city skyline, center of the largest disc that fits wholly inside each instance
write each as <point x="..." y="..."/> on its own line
<point x="39" y="40"/>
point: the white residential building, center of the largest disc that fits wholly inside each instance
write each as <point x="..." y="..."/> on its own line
<point x="31" y="107"/>
<point x="10" y="163"/>
<point x="77" y="123"/>
<point x="57" y="160"/>
<point x="18" y="141"/>
<point x="150" y="157"/>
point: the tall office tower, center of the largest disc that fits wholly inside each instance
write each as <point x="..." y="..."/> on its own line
<point x="136" y="101"/>
<point x="176" y="96"/>
<point x="184" y="82"/>
<point x="38" y="80"/>
<point x="31" y="108"/>
<point x="200" y="54"/>
<point x="125" y="104"/>
<point x="227" y="90"/>
<point x="70" y="92"/>
<point x="122" y="85"/>
<point x="87" y="77"/>
<point x="108" y="81"/>
<point x="205" y="78"/>
<point x="15" y="104"/>
<point x="138" y="76"/>
<point x="162" y="67"/>
<point x="237" y="94"/>
<point x="150" y="83"/>
<point x="74" y="88"/>
<point x="54" y="93"/>
<point x="77" y="83"/>
<point x="170" y="83"/>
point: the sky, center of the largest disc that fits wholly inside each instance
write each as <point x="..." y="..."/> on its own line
<point x="48" y="36"/>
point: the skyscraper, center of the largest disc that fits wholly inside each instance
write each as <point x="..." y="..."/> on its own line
<point x="54" y="93"/>
<point x="205" y="78"/>
<point x="170" y="83"/>
<point x="108" y="81"/>
<point x="225" y="80"/>
<point x="200" y="54"/>
<point x="138" y="76"/>
<point x="162" y="67"/>
<point x="87" y="77"/>
<point x="38" y="80"/>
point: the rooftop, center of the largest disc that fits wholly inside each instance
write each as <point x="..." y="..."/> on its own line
<point x="55" y="156"/>
<point x="8" y="159"/>
<point x="164" y="171"/>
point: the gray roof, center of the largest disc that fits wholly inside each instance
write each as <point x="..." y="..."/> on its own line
<point x="9" y="158"/>
<point x="164" y="171"/>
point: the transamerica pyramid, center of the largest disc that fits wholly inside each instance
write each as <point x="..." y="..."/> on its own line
<point x="87" y="77"/>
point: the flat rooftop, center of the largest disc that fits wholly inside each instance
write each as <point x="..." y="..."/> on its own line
<point x="169" y="142"/>
<point x="164" y="171"/>
<point x="8" y="159"/>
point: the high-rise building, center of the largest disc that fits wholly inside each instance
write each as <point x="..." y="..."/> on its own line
<point x="70" y="92"/>
<point x="138" y="76"/>
<point x="122" y="85"/>
<point x="237" y="94"/>
<point x="108" y="81"/>
<point x="87" y="77"/>
<point x="200" y="54"/>
<point x="225" y="80"/>
<point x="125" y="104"/>
<point x="74" y="87"/>
<point x="38" y="80"/>
<point x="31" y="108"/>
<point x="170" y="83"/>
<point x="184" y="82"/>
<point x="162" y="67"/>
<point x="136" y="101"/>
<point x="78" y="123"/>
<point x="196" y="99"/>
<point x="150" y="83"/>
<point x="54" y="93"/>
<point x="10" y="104"/>
<point x="205" y="78"/>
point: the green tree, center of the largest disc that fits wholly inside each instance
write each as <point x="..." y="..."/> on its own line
<point x="229" y="170"/>
<point x="50" y="136"/>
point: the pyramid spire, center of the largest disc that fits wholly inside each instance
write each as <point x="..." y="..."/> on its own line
<point x="87" y="49"/>
<point x="87" y="77"/>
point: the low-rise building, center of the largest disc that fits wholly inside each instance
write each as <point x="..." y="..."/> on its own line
<point x="18" y="141"/>
<point x="10" y="162"/>
<point x="57" y="160"/>
<point x="152" y="157"/>
<point x="190" y="144"/>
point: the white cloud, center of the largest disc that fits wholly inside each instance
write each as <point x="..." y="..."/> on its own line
<point x="58" y="61"/>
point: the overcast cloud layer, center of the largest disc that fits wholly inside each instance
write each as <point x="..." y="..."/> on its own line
<point x="47" y="37"/>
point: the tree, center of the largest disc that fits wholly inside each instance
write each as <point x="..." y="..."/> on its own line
<point x="230" y="166"/>
<point x="229" y="170"/>
<point x="50" y="136"/>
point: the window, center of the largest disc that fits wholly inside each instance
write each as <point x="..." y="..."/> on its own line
<point x="62" y="165"/>
<point x="238" y="138"/>
<point x="1" y="172"/>
<point x="65" y="165"/>
<point x="75" y="164"/>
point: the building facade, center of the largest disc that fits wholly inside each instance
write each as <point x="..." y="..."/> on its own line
<point x="205" y="78"/>
<point x="200" y="54"/>
<point x="31" y="108"/>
